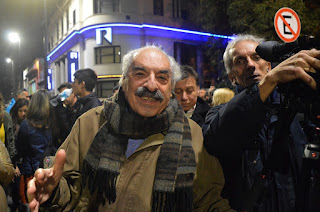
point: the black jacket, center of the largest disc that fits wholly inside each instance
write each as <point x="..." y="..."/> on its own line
<point x="84" y="104"/>
<point x="240" y="134"/>
<point x="199" y="114"/>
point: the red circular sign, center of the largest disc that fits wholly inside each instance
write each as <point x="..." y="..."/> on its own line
<point x="287" y="24"/>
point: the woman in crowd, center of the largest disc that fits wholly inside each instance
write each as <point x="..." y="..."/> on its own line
<point x="18" y="113"/>
<point x="33" y="137"/>
<point x="222" y="96"/>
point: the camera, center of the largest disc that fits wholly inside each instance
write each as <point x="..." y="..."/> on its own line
<point x="302" y="97"/>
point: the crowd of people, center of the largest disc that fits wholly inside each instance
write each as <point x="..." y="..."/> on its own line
<point x="160" y="142"/>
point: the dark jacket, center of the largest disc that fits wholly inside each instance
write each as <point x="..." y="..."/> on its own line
<point x="10" y="136"/>
<point x="240" y="134"/>
<point x="199" y="114"/>
<point x="64" y="120"/>
<point x="84" y="104"/>
<point x="31" y="144"/>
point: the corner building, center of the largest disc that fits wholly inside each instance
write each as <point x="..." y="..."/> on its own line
<point x="97" y="33"/>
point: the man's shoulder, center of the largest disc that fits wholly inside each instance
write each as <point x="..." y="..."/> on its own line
<point x="94" y="112"/>
<point x="91" y="101"/>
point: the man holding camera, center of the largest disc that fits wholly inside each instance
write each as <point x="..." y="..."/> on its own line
<point x="241" y="133"/>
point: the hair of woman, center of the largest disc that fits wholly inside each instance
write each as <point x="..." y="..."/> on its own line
<point x="222" y="96"/>
<point x="39" y="109"/>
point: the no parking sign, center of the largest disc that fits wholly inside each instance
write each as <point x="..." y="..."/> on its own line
<point x="287" y="24"/>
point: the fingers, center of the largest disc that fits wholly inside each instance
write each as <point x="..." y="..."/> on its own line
<point x="308" y="80"/>
<point x="59" y="163"/>
<point x="44" y="182"/>
<point x="309" y="60"/>
<point x="34" y="205"/>
<point x="31" y="191"/>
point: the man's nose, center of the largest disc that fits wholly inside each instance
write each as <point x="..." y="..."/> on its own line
<point x="151" y="83"/>
<point x="184" y="96"/>
<point x="250" y="62"/>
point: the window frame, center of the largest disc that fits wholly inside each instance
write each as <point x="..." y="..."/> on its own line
<point x="98" y="58"/>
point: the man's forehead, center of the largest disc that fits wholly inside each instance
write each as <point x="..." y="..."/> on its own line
<point x="244" y="47"/>
<point x="186" y="82"/>
<point x="151" y="58"/>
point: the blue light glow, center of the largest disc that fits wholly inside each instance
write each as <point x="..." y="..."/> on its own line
<point x="135" y="26"/>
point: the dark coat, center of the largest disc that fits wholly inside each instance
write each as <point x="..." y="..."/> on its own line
<point x="199" y="114"/>
<point x="84" y="104"/>
<point x="31" y="144"/>
<point x="240" y="134"/>
<point x="64" y="120"/>
<point x="9" y="136"/>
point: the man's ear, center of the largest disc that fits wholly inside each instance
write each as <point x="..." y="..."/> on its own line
<point x="83" y="84"/>
<point x="269" y="66"/>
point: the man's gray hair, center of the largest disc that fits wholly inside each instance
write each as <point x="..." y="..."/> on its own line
<point x="227" y="57"/>
<point x="128" y="59"/>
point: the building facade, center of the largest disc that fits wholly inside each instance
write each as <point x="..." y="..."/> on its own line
<point x="97" y="33"/>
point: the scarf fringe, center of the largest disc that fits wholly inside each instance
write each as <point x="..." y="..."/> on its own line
<point x="180" y="200"/>
<point x="104" y="182"/>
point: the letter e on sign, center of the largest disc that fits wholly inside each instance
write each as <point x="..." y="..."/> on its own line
<point x="287" y="24"/>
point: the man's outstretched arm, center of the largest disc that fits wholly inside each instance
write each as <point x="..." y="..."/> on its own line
<point x="45" y="181"/>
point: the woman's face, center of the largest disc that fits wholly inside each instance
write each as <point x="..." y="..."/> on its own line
<point x="22" y="112"/>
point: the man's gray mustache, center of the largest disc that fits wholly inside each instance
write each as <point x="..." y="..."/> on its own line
<point x="143" y="91"/>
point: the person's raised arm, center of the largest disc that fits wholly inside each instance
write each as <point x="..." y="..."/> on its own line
<point x="295" y="67"/>
<point x="45" y="181"/>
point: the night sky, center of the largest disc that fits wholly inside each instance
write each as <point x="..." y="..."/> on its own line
<point x="25" y="17"/>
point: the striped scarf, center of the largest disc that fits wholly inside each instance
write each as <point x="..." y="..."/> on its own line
<point x="176" y="164"/>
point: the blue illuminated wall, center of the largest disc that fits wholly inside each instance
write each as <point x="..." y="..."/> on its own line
<point x="147" y="30"/>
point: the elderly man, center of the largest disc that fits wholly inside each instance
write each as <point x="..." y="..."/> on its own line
<point x="240" y="134"/>
<point x="186" y="90"/>
<point x="137" y="152"/>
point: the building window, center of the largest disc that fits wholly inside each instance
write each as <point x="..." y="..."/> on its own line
<point x="104" y="88"/>
<point x="74" y="17"/>
<point x="108" y="54"/>
<point x="106" y="6"/>
<point x="188" y="8"/>
<point x="158" y="7"/>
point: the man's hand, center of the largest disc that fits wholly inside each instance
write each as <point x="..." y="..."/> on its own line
<point x="295" y="67"/>
<point x="45" y="181"/>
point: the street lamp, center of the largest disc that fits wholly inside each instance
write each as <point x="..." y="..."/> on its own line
<point x="15" y="38"/>
<point x="8" y="60"/>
